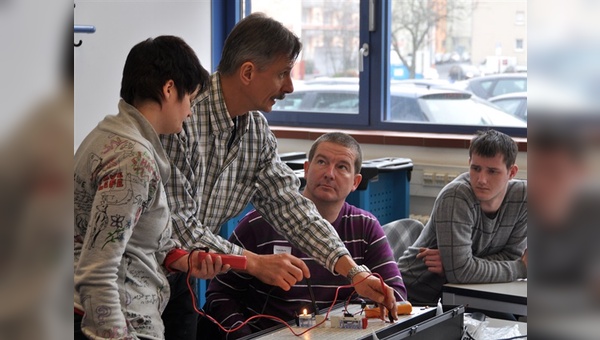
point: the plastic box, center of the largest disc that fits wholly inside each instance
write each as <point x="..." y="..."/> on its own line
<point x="295" y="160"/>
<point x="385" y="188"/>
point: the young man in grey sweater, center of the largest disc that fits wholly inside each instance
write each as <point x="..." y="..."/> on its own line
<point x="477" y="232"/>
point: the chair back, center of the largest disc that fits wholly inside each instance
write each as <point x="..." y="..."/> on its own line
<point x="401" y="234"/>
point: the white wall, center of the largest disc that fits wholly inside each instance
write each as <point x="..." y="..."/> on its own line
<point x="119" y="26"/>
<point x="32" y="37"/>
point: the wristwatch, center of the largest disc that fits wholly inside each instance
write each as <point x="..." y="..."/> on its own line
<point x="355" y="270"/>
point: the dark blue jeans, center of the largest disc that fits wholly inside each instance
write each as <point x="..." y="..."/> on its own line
<point x="78" y="334"/>
<point x="179" y="317"/>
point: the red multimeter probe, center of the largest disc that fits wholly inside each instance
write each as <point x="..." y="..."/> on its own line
<point x="235" y="261"/>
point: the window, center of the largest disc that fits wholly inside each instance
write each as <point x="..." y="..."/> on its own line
<point x="336" y="102"/>
<point x="406" y="49"/>
<point x="520" y="18"/>
<point x="519" y="44"/>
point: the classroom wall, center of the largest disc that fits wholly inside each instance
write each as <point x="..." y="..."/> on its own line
<point x="119" y="26"/>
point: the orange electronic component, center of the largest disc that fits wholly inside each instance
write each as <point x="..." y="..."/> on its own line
<point x="372" y="313"/>
<point x="403" y="308"/>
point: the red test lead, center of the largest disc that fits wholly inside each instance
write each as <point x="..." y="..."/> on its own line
<point x="235" y="261"/>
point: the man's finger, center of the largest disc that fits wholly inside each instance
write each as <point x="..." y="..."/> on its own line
<point x="304" y="271"/>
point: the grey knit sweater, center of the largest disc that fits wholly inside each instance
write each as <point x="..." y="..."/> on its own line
<point x="474" y="248"/>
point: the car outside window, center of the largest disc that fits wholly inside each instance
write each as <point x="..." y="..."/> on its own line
<point x="292" y="101"/>
<point x="405" y="109"/>
<point x="509" y="105"/>
<point x="509" y="86"/>
<point x="337" y="102"/>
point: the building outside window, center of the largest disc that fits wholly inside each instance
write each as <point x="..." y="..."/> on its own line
<point x="520" y="18"/>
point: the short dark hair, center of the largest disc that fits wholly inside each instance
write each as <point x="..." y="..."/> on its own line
<point x="342" y="139"/>
<point x="154" y="61"/>
<point x="259" y="39"/>
<point x="490" y="142"/>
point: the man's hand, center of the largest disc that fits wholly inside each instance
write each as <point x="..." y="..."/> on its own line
<point x="371" y="289"/>
<point x="281" y="270"/>
<point x="524" y="258"/>
<point x="432" y="259"/>
<point x="205" y="269"/>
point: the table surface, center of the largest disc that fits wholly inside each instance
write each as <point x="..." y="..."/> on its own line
<point x="506" y="297"/>
<point x="327" y="332"/>
<point x="374" y="325"/>
<point x="515" y="288"/>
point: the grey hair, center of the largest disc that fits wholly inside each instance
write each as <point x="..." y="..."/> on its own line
<point x="260" y="40"/>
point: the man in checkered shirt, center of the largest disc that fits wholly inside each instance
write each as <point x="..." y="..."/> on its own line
<point x="226" y="157"/>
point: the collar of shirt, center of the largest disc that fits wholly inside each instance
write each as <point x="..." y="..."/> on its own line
<point x="219" y="120"/>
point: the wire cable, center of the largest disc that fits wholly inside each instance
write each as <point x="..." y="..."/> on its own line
<point x="312" y="296"/>
<point x="271" y="317"/>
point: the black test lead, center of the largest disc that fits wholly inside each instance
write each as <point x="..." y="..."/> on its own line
<point x="312" y="296"/>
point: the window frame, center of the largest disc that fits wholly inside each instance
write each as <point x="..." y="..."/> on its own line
<point x="373" y="94"/>
<point x="522" y="43"/>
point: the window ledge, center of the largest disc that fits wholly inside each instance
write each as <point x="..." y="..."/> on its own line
<point x="438" y="140"/>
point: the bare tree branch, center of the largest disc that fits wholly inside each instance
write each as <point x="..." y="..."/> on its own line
<point x="339" y="32"/>
<point x="414" y="20"/>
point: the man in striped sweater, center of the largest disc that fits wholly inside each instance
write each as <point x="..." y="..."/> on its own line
<point x="332" y="172"/>
<point x="477" y="232"/>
